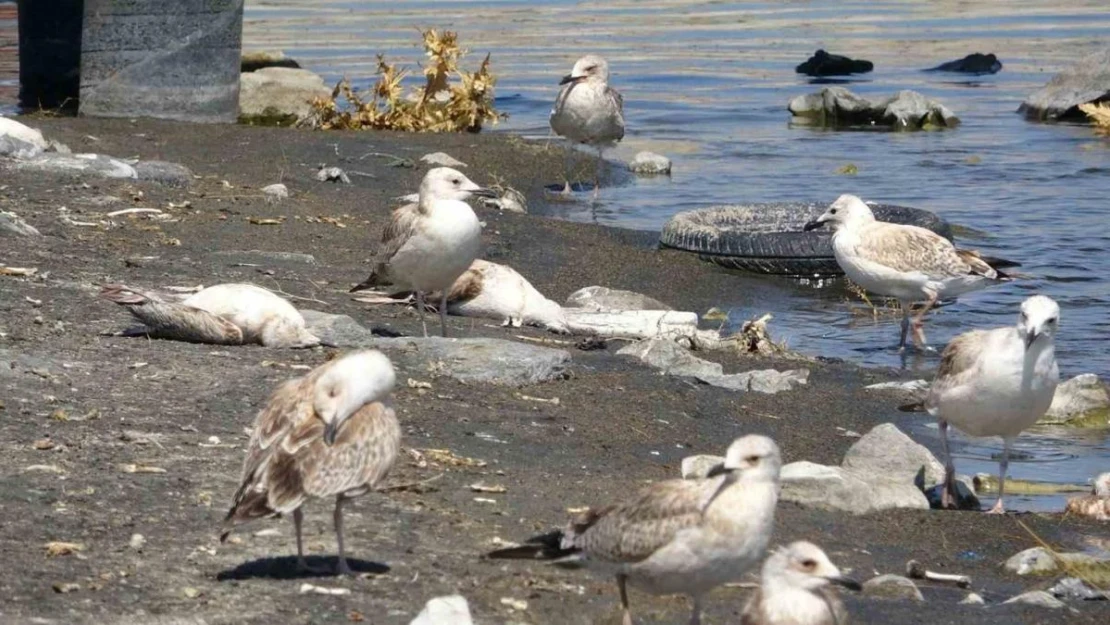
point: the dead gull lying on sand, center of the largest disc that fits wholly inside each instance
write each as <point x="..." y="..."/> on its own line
<point x="325" y="434"/>
<point x="1095" y="505"/>
<point x="429" y="244"/>
<point x="795" y="589"/>
<point x="996" y="383"/>
<point x="909" y="263"/>
<point x="589" y="111"/>
<point x="677" y="536"/>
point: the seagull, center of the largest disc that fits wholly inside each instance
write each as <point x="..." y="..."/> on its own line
<point x="996" y="383"/>
<point x="909" y="263"/>
<point x="427" y="245"/>
<point x="795" y="589"/>
<point x="587" y="110"/>
<point x="1095" y="505"/>
<point x="676" y="536"/>
<point x="327" y="434"/>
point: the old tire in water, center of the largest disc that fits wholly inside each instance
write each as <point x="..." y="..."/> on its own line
<point x="768" y="238"/>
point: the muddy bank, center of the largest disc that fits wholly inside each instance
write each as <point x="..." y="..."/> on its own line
<point x="108" y="437"/>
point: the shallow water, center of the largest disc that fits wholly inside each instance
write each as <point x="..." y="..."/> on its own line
<point x="707" y="84"/>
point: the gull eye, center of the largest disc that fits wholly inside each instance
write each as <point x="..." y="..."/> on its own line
<point x="809" y="565"/>
<point x="456" y="182"/>
<point x="832" y="211"/>
<point x="751" y="459"/>
<point x="591" y="68"/>
<point x="1052" y="319"/>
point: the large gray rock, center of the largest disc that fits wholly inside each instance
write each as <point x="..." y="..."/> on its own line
<point x="891" y="586"/>
<point x="472" y="360"/>
<point x="449" y="610"/>
<point x="18" y="140"/>
<point x="1081" y="398"/>
<point x="604" y="298"/>
<point x="835" y="488"/>
<point x="889" y="452"/>
<point x="906" y="110"/>
<point x="671" y="359"/>
<point x="78" y="164"/>
<point x="164" y="172"/>
<point x="1038" y="561"/>
<point x="1086" y="81"/>
<point x="10" y="223"/>
<point x="279" y="93"/>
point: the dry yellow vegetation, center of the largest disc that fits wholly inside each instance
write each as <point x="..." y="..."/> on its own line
<point x="438" y="106"/>
<point x="1099" y="114"/>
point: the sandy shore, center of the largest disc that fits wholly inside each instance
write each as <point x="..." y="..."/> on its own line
<point x="105" y="402"/>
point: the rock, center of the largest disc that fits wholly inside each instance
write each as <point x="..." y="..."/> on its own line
<point x="889" y="452"/>
<point x="966" y="498"/>
<point x="1075" y="588"/>
<point x="19" y="140"/>
<point x="824" y="64"/>
<point x="1038" y="561"/>
<point x="137" y="542"/>
<point x="332" y="174"/>
<point x="891" y="586"/>
<point x="1038" y="598"/>
<point x="82" y="164"/>
<point x="10" y="223"/>
<point x="260" y="59"/>
<point x="1081" y="398"/>
<point x="911" y="386"/>
<point x="279" y="94"/>
<point x="839" y="107"/>
<point x="163" y="172"/>
<point x="604" y="298"/>
<point x="1086" y="81"/>
<point x="476" y="360"/>
<point x="696" y="467"/>
<point x="975" y="63"/>
<point x="264" y="257"/>
<point x="973" y="598"/>
<point x="835" y="488"/>
<point x="649" y="163"/>
<point x="640" y="324"/>
<point x="671" y="359"/>
<point x="449" y="610"/>
<point x="441" y="159"/>
<point x="276" y="192"/>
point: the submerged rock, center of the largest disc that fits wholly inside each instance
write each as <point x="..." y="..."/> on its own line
<point x="1082" y="400"/>
<point x="975" y="63"/>
<point x="1086" y="81"/>
<point x="839" y="107"/>
<point x="891" y="586"/>
<point x="824" y="64"/>
<point x="279" y="95"/>
<point x="448" y="610"/>
<point x="649" y="163"/>
<point x="604" y="298"/>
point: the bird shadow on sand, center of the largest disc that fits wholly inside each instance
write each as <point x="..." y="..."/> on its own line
<point x="285" y="567"/>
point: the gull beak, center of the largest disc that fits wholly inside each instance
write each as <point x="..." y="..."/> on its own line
<point x="484" y="192"/>
<point x="570" y="78"/>
<point x="1031" y="336"/>
<point x="331" y="430"/>
<point x="846" y="582"/>
<point x="813" y="225"/>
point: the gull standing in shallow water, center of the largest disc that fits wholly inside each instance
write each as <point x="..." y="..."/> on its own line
<point x="996" y="383"/>
<point x="427" y="245"/>
<point x="794" y="589"/>
<point x="587" y="110"/>
<point x="909" y="263"/>
<point x="323" y="435"/>
<point x="678" y="536"/>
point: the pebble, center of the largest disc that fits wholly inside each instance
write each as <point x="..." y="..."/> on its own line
<point x="973" y="599"/>
<point x="276" y="191"/>
<point x="892" y="586"/>
<point x="137" y="541"/>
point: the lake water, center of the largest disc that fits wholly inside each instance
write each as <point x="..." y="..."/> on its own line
<point x="707" y="84"/>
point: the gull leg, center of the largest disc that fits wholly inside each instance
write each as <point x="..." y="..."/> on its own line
<point x="302" y="564"/>
<point x="695" y="616"/>
<point x="919" y="324"/>
<point x="567" y="147"/>
<point x="420" y="309"/>
<point x="1002" y="466"/>
<point x="948" y="495"/>
<point x="443" y="313"/>
<point x="626" y="618"/>
<point x="597" y="174"/>
<point x="342" y="567"/>
<point x="905" y="327"/>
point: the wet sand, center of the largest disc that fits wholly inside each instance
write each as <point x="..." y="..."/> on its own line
<point x="618" y="425"/>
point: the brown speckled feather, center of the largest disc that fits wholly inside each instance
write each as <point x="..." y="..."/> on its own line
<point x="633" y="530"/>
<point x="755" y="611"/>
<point x="401" y="224"/>
<point x="957" y="362"/>
<point x="1090" y="506"/>
<point x="913" y="249"/>
<point x="468" y="285"/>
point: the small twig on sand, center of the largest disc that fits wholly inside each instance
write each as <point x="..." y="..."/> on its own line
<point x="541" y="340"/>
<point x="132" y="211"/>
<point x="411" y="485"/>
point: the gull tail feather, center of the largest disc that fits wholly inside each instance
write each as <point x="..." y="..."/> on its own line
<point x="376" y="279"/>
<point x="547" y="546"/>
<point x="916" y="406"/>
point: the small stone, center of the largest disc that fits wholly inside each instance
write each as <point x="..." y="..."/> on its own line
<point x="697" y="467"/>
<point x="276" y="191"/>
<point x="269" y="531"/>
<point x="1037" y="598"/>
<point x="43" y="444"/>
<point x="891" y="586"/>
<point x="1075" y="588"/>
<point x="191" y="593"/>
<point x="441" y="159"/>
<point x="323" y="590"/>
<point x="973" y="599"/>
<point x="66" y="587"/>
<point x="137" y="541"/>
<point x="649" y="163"/>
<point x="519" y="605"/>
<point x="449" y="610"/>
<point x="332" y="174"/>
